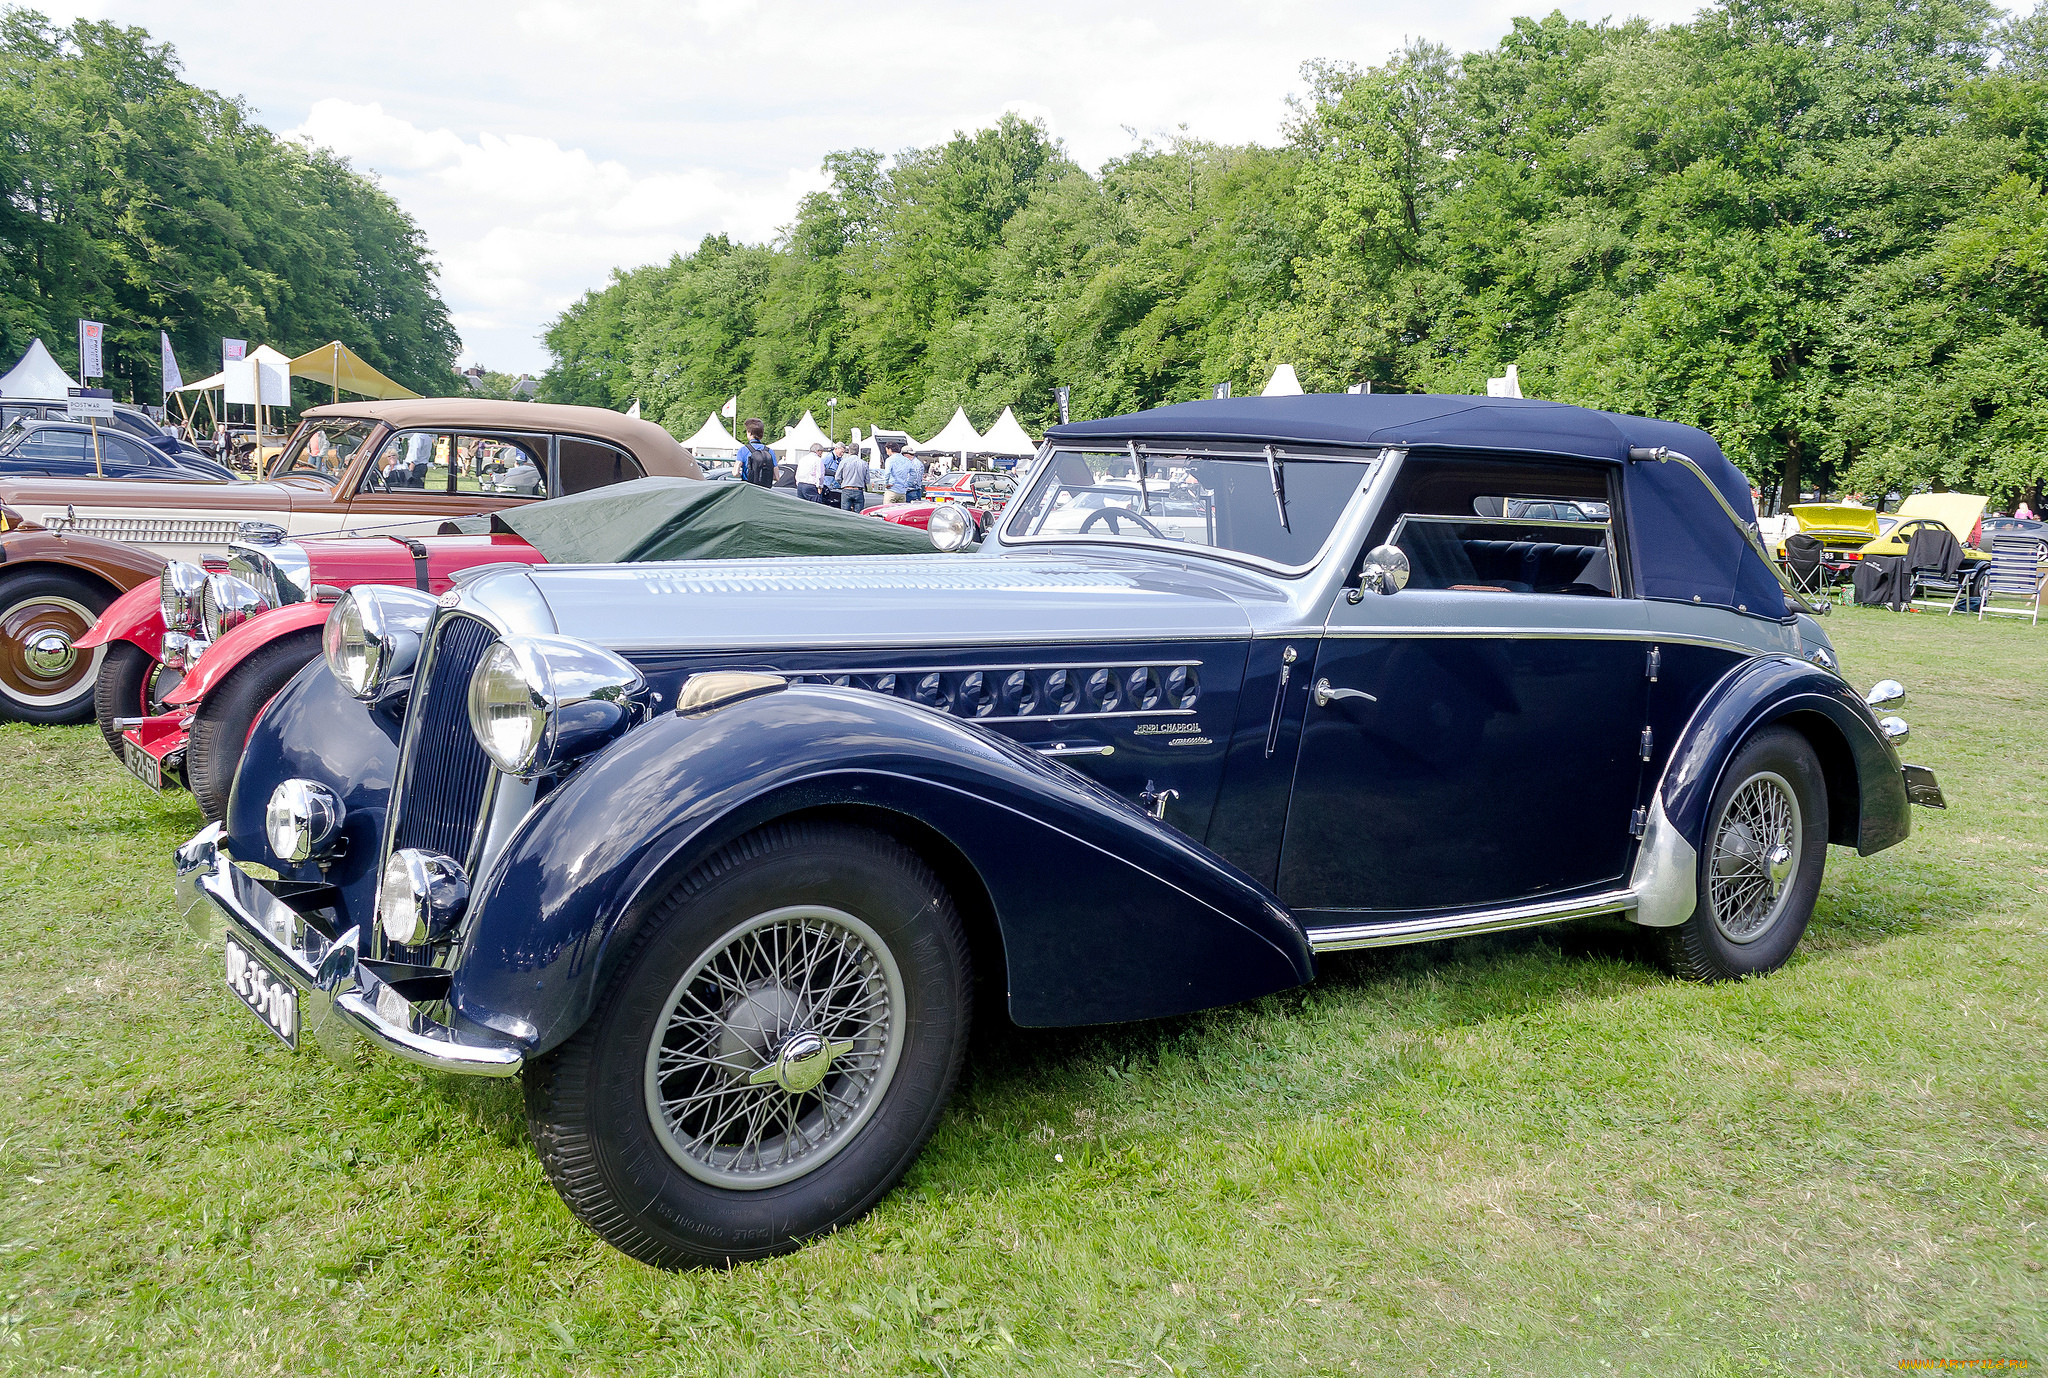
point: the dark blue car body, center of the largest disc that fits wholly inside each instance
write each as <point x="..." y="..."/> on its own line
<point x="1155" y="778"/>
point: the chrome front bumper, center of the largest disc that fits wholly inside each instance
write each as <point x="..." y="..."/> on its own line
<point x="341" y="998"/>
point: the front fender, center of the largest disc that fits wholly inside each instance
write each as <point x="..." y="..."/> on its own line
<point x="137" y="616"/>
<point x="1867" y="805"/>
<point x="231" y="650"/>
<point x="1104" y="914"/>
<point x="316" y="730"/>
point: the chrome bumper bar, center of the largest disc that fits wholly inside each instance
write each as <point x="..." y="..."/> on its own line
<point x="340" y="997"/>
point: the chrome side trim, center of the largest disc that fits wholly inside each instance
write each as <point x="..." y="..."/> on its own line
<point x="1409" y="633"/>
<point x="340" y="998"/>
<point x="1665" y="880"/>
<point x="993" y="669"/>
<point x="1349" y="937"/>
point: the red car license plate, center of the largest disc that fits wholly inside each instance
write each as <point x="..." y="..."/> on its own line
<point x="142" y="765"/>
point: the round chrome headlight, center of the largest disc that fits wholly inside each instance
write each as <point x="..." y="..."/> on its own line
<point x="225" y="603"/>
<point x="178" y="591"/>
<point x="950" y="527"/>
<point x="538" y="703"/>
<point x="422" y="896"/>
<point x="302" y="820"/>
<point x="374" y="634"/>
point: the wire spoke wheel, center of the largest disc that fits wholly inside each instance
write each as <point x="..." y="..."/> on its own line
<point x="1756" y="851"/>
<point x="775" y="1047"/>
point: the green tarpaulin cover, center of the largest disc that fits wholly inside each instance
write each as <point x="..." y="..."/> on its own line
<point x="693" y="519"/>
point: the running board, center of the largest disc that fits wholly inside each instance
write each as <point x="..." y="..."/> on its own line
<point x="1347" y="937"/>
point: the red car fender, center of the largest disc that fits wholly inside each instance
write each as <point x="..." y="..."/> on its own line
<point x="238" y="645"/>
<point x="136" y="616"/>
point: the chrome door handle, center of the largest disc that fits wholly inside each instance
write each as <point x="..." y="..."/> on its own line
<point x="1062" y="749"/>
<point x="1325" y="695"/>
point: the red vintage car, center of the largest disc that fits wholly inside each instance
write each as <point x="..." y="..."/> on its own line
<point x="193" y="657"/>
<point x="175" y="717"/>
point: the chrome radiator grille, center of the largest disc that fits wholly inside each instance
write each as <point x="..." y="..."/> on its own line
<point x="446" y="774"/>
<point x="148" y="530"/>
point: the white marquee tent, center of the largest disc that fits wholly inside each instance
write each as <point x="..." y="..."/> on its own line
<point x="712" y="440"/>
<point x="800" y="437"/>
<point x="1008" y="439"/>
<point x="1283" y="383"/>
<point x="37" y="376"/>
<point x="959" y="437"/>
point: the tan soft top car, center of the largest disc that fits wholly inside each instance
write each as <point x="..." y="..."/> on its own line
<point x="394" y="468"/>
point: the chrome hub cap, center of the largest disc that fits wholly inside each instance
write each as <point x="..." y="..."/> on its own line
<point x="775" y="1047"/>
<point x="40" y="665"/>
<point x="1755" y="853"/>
<point x="50" y="654"/>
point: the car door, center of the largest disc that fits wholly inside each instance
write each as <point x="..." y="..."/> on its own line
<point x="1474" y="740"/>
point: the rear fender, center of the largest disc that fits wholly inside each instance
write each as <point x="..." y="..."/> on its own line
<point x="1104" y="914"/>
<point x="136" y="617"/>
<point x="1867" y="805"/>
<point x="231" y="650"/>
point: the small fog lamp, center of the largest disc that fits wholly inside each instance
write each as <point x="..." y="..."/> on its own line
<point x="302" y="821"/>
<point x="422" y="897"/>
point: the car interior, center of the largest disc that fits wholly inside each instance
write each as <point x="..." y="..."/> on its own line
<point x="1503" y="526"/>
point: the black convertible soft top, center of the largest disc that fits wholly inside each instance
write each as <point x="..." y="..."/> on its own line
<point x="1685" y="547"/>
<point x="693" y="519"/>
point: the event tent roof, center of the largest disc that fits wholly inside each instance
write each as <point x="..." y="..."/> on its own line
<point x="1283" y="383"/>
<point x="801" y="436"/>
<point x="338" y="366"/>
<point x="1006" y="437"/>
<point x="714" y="437"/>
<point x="959" y="437"/>
<point x="37" y="375"/>
<point x="321" y="365"/>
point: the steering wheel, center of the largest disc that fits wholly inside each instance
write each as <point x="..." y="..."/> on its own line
<point x="1115" y="517"/>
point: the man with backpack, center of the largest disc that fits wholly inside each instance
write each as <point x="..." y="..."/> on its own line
<point x="757" y="461"/>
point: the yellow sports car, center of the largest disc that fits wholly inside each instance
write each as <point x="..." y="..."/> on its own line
<point x="1959" y="513"/>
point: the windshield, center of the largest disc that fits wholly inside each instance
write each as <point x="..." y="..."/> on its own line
<point x="322" y="449"/>
<point x="1228" y="499"/>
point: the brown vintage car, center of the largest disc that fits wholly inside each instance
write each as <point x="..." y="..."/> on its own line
<point x="370" y="468"/>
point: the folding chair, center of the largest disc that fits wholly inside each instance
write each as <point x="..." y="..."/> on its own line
<point x="2017" y="571"/>
<point x="1802" y="563"/>
<point x="1934" y="558"/>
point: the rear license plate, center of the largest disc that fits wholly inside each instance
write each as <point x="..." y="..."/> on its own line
<point x="267" y="995"/>
<point x="142" y="765"/>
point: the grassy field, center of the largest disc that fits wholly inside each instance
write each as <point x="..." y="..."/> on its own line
<point x="1534" y="1154"/>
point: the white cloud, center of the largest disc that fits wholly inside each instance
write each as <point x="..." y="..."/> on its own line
<point x="542" y="143"/>
<point x="523" y="226"/>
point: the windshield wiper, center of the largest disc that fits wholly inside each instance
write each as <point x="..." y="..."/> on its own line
<point x="1138" y="463"/>
<point x="1279" y="486"/>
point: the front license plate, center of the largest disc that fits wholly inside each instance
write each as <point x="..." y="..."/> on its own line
<point x="267" y="995"/>
<point x="142" y="765"/>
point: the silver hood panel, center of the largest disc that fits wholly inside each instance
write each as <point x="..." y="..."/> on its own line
<point x="884" y="600"/>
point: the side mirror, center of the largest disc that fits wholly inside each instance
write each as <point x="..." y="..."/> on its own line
<point x="1385" y="571"/>
<point x="1885" y="691"/>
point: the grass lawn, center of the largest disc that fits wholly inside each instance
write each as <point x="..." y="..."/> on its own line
<point x="1530" y="1154"/>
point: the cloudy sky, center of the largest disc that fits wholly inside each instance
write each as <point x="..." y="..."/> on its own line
<point x="541" y="143"/>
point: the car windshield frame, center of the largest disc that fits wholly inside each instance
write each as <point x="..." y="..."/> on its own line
<point x="283" y="466"/>
<point x="1018" y="512"/>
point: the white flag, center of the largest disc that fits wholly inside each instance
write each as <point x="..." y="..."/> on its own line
<point x="634" y="410"/>
<point x="173" y="380"/>
<point x="730" y="409"/>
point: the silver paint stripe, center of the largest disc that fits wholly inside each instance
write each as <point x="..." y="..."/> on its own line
<point x="1390" y="933"/>
<point x="1005" y="669"/>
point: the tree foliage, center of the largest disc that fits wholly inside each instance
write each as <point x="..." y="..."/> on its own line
<point x="1816" y="228"/>
<point x="137" y="199"/>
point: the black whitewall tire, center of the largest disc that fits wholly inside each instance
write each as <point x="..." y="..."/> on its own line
<point x="770" y="1055"/>
<point x="1760" y="868"/>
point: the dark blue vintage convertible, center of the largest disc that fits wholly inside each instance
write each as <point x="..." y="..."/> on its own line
<point x="717" y="855"/>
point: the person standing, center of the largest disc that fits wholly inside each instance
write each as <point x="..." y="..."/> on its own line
<point x="828" y="487"/>
<point x="810" y="473"/>
<point x="903" y="475"/>
<point x="756" y="461"/>
<point x="853" y="482"/>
